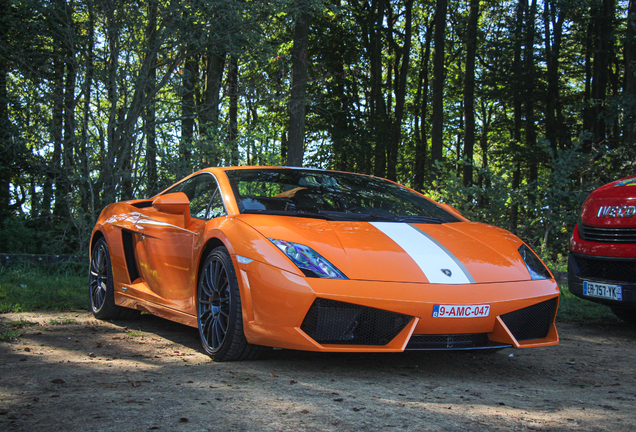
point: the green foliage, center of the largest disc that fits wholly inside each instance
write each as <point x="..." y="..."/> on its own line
<point x="102" y="102"/>
<point x="43" y="236"/>
<point x="10" y="331"/>
<point x="549" y="208"/>
<point x="8" y="334"/>
<point x="20" y="323"/>
<point x="28" y="287"/>
<point x="17" y="237"/>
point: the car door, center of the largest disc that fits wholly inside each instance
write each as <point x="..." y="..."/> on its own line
<point x="167" y="249"/>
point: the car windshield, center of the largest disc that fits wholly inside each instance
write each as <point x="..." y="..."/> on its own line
<point x="330" y="195"/>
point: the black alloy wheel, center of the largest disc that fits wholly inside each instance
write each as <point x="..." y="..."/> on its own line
<point x="219" y="313"/>
<point x="101" y="288"/>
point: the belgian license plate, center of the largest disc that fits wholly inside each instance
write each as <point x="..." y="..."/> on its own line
<point x="606" y="291"/>
<point x="460" y="311"/>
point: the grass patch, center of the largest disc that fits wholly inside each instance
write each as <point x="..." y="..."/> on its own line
<point x="575" y="309"/>
<point x="9" y="334"/>
<point x="134" y="333"/>
<point x="20" y="323"/>
<point x="9" y="331"/>
<point x="27" y="287"/>
<point x="62" y="321"/>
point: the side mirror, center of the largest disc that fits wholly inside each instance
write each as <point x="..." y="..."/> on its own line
<point x="174" y="203"/>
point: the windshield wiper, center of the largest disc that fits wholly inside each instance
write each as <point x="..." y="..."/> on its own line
<point x="340" y="215"/>
<point x="420" y="219"/>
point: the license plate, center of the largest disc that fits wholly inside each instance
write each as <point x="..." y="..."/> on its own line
<point x="606" y="291"/>
<point x="460" y="311"/>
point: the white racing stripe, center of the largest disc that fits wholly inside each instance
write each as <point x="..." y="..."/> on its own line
<point x="431" y="257"/>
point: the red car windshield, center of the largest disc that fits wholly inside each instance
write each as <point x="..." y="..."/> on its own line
<point x="330" y="195"/>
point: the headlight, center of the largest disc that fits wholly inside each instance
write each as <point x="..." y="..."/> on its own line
<point x="310" y="262"/>
<point x="533" y="263"/>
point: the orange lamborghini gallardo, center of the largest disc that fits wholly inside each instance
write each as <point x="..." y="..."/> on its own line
<point x="318" y="260"/>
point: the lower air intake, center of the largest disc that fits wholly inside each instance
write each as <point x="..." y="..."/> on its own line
<point x="334" y="322"/>
<point x="532" y="322"/>
<point x="455" y="341"/>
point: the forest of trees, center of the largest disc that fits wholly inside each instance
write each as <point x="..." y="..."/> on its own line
<point x="511" y="111"/>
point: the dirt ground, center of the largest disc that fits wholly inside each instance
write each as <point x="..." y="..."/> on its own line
<point x="71" y="372"/>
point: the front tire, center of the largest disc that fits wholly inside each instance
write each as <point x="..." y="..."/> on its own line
<point x="219" y="313"/>
<point x="101" y="287"/>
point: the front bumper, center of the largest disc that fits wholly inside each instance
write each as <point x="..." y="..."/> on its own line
<point x="601" y="269"/>
<point x="282" y="309"/>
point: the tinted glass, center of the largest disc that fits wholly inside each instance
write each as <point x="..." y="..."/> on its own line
<point x="341" y="196"/>
<point x="216" y="207"/>
<point x="200" y="191"/>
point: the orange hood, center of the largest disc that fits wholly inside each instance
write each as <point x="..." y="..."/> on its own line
<point x="450" y="253"/>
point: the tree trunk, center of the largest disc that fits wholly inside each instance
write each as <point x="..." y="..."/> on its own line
<point x="629" y="83"/>
<point x="400" y="95"/>
<point x="437" y="133"/>
<point x="421" y="105"/>
<point x="209" y="110"/>
<point x="378" y="110"/>
<point x="150" y="116"/>
<point x="5" y="124"/>
<point x="531" y="132"/>
<point x="517" y="115"/>
<point x="553" y="113"/>
<point x="483" y="181"/>
<point x="71" y="66"/>
<point x="602" y="17"/>
<point x="87" y="200"/>
<point x="108" y="178"/>
<point x="469" y="92"/>
<point x="190" y="75"/>
<point x="296" y="142"/>
<point x="57" y="125"/>
<point x="233" y="126"/>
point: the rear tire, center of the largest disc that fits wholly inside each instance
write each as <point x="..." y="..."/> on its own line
<point x="219" y="312"/>
<point x="101" y="287"/>
<point x="626" y="314"/>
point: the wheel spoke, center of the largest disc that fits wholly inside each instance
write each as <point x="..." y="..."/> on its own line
<point x="222" y="325"/>
<point x="100" y="260"/>
<point x="223" y="286"/>
<point x="207" y="281"/>
<point x="98" y="296"/>
<point x="209" y="338"/>
<point x="206" y="319"/>
<point x="218" y="270"/>
<point x="218" y="334"/>
<point x="206" y="291"/>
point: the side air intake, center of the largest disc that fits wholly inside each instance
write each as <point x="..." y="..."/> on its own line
<point x="532" y="322"/>
<point x="129" y="253"/>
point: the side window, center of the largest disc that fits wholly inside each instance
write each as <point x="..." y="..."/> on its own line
<point x="216" y="208"/>
<point x="199" y="190"/>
